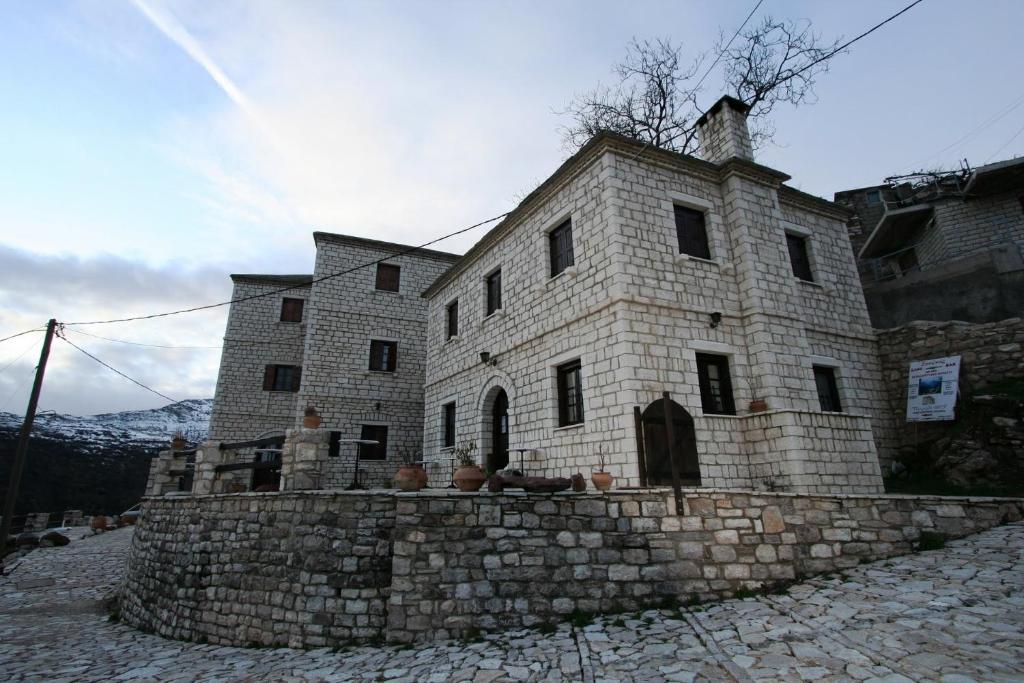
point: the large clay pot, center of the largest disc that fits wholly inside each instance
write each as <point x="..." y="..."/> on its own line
<point x="312" y="421"/>
<point x="602" y="480"/>
<point x="178" y="443"/>
<point x="410" y="478"/>
<point x="469" y="478"/>
<point x="758" y="405"/>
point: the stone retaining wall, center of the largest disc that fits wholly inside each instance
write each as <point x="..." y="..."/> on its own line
<point x="321" y="568"/>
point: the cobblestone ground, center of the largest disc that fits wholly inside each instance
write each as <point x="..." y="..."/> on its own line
<point x="953" y="615"/>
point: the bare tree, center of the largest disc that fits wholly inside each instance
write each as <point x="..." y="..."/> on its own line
<point x="655" y="99"/>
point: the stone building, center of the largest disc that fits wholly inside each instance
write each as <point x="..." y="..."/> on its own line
<point x="352" y="346"/>
<point x="633" y="271"/>
<point x="941" y="246"/>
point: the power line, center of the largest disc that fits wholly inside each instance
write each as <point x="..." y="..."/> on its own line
<point x="115" y="370"/>
<point x="285" y="341"/>
<point x="848" y="43"/>
<point x="20" y="355"/>
<point x="977" y="129"/>
<point x="298" y="286"/>
<point x="1005" y="144"/>
<point x="722" y="52"/>
<point x="20" y="334"/>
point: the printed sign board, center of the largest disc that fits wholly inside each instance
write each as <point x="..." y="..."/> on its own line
<point x="932" y="389"/>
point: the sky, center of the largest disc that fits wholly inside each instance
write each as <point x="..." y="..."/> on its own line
<point x="152" y="147"/>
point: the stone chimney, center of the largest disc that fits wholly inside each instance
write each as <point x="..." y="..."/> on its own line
<point x="722" y="131"/>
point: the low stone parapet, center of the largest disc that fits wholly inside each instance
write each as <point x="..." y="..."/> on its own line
<point x="321" y="568"/>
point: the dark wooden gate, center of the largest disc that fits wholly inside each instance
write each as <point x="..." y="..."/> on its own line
<point x="656" y="447"/>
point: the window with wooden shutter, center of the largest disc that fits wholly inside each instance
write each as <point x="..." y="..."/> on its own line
<point x="560" y="247"/>
<point x="828" y="390"/>
<point x="378" y="433"/>
<point x="448" y="431"/>
<point x="453" y="319"/>
<point x="570" y="394"/>
<point x="388" y="277"/>
<point x="282" y="377"/>
<point x="383" y="355"/>
<point x="798" y="257"/>
<point x="493" y="292"/>
<point x="691" y="232"/>
<point x="291" y="310"/>
<point x="715" y="385"/>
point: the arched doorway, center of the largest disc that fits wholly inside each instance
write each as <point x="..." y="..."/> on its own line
<point x="659" y="468"/>
<point x="497" y="457"/>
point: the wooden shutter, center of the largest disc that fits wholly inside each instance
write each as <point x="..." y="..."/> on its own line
<point x="691" y="232"/>
<point x="296" y="377"/>
<point x="392" y="355"/>
<point x="291" y="310"/>
<point x="798" y="257"/>
<point x="269" y="373"/>
<point x="388" y="277"/>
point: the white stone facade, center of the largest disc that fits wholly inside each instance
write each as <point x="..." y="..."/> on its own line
<point x="634" y="312"/>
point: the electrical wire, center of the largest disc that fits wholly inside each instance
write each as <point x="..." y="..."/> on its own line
<point x="20" y="334"/>
<point x="284" y="342"/>
<point x="977" y="129"/>
<point x="303" y="285"/>
<point x="1005" y="144"/>
<point x="115" y="370"/>
<point x="722" y="52"/>
<point x="20" y="355"/>
<point x="18" y="388"/>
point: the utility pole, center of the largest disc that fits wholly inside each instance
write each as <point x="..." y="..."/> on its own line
<point x="26" y="431"/>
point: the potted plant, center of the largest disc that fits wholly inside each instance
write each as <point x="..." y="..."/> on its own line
<point x="178" y="442"/>
<point x="312" y="419"/>
<point x="468" y="476"/>
<point x="758" y="405"/>
<point x="410" y="476"/>
<point x="602" y="480"/>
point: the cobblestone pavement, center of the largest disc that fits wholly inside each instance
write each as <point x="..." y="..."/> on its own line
<point x="953" y="615"/>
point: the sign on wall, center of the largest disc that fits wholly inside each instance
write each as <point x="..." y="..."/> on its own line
<point x="932" y="389"/>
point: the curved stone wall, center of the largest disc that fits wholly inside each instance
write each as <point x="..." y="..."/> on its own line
<point x="320" y="569"/>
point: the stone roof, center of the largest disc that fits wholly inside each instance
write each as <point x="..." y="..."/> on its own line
<point x="264" y="279"/>
<point x="379" y="244"/>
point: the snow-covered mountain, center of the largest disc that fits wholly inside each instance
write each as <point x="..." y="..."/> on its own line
<point x="133" y="428"/>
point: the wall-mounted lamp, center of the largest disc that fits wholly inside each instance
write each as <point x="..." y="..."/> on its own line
<point x="485" y="358"/>
<point x="716" y="318"/>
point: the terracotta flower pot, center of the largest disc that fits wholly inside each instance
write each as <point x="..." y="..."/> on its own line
<point x="602" y="480"/>
<point x="178" y="444"/>
<point x="469" y="478"/>
<point x="410" y="478"/>
<point x="758" y="405"/>
<point x="312" y="421"/>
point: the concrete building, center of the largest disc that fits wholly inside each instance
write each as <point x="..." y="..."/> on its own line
<point x="633" y="271"/>
<point x="941" y="246"/>
<point x="347" y="340"/>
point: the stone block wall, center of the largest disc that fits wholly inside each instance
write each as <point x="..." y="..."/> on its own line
<point x="295" y="569"/>
<point x="320" y="569"/>
<point x="165" y="472"/>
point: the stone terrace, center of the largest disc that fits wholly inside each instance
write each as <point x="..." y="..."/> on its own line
<point x="954" y="615"/>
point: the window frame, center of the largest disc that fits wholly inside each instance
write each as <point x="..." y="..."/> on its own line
<point x="448" y="417"/>
<point x="492" y="298"/>
<point x="804" y="240"/>
<point x="570" y="415"/>
<point x="707" y="396"/>
<point x="382" y="446"/>
<point x="561" y="253"/>
<point x="679" y="208"/>
<point x="382" y="277"/>
<point x="452" y="319"/>
<point x="832" y="390"/>
<point x="391" y="364"/>
<point x="289" y="302"/>
<point x="272" y="376"/>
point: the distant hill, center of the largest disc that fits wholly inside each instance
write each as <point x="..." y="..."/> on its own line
<point x="96" y="463"/>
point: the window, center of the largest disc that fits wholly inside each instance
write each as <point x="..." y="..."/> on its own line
<point x="570" y="394"/>
<point x="291" y="310"/>
<point x="798" y="257"/>
<point x="282" y="377"/>
<point x="334" y="446"/>
<point x="388" y="277"/>
<point x="560" y="240"/>
<point x="907" y="261"/>
<point x="828" y="391"/>
<point x="692" y="233"/>
<point x="448" y="426"/>
<point x="493" y="292"/>
<point x="873" y="196"/>
<point x="378" y="433"/>
<point x="715" y="386"/>
<point x="453" y="319"/>
<point x="383" y="355"/>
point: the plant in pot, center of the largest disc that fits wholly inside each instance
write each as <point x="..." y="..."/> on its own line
<point x="602" y="480"/>
<point x="468" y="475"/>
<point x="410" y="476"/>
<point x="311" y="418"/>
<point x="758" y="405"/>
<point x="178" y="442"/>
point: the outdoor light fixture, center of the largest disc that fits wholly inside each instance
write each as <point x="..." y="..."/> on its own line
<point x="716" y="318"/>
<point x="485" y="358"/>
